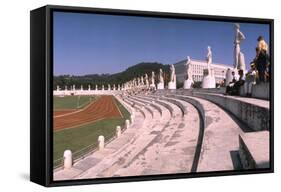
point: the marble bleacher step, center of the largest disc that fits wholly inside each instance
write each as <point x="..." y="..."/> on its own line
<point x="254" y="150"/>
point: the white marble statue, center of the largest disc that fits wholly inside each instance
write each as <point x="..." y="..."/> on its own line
<point x="114" y="88"/>
<point x="146" y="79"/>
<point x="58" y="88"/>
<point x="152" y="78"/>
<point x="188" y="68"/>
<point x="173" y="81"/>
<point x="73" y="87"/>
<point x="189" y="80"/>
<point x="142" y="83"/>
<point x="109" y="87"/>
<point x="209" y="80"/>
<point x="81" y="88"/>
<point x="89" y="87"/>
<point x="161" y="79"/>
<point x="96" y="87"/>
<point x="239" y="61"/>
<point x="138" y="80"/>
<point x="172" y="73"/>
<point x="160" y="85"/>
<point x="65" y="87"/>
<point x="102" y="87"/>
<point x="209" y="58"/>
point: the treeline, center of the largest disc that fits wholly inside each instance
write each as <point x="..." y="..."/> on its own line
<point x="117" y="78"/>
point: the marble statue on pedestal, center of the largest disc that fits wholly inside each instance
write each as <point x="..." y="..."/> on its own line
<point x="81" y="88"/>
<point x="142" y="83"/>
<point x="209" y="80"/>
<point x="239" y="60"/>
<point x="96" y="87"/>
<point x="119" y="88"/>
<point x="108" y="87"/>
<point x="73" y="87"/>
<point x="152" y="79"/>
<point x="146" y="80"/>
<point x="114" y="88"/>
<point x="188" y="82"/>
<point x="58" y="88"/>
<point x="138" y="81"/>
<point x="65" y="87"/>
<point x="89" y="87"/>
<point x="102" y="87"/>
<point x="160" y="85"/>
<point x="172" y="84"/>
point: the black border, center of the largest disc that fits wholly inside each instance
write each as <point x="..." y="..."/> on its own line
<point x="49" y="9"/>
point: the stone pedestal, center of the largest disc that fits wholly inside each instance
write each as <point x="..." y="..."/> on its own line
<point x="127" y="123"/>
<point x="67" y="159"/>
<point x="118" y="131"/>
<point x="152" y="86"/>
<point x="172" y="85"/>
<point x="160" y="86"/>
<point x="101" y="142"/>
<point x="187" y="83"/>
<point x="209" y="80"/>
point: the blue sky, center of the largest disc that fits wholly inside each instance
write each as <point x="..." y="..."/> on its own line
<point x="92" y="43"/>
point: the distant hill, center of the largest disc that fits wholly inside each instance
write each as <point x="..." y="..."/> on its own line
<point x="105" y="79"/>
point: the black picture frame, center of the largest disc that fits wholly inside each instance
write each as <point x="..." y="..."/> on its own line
<point x="41" y="75"/>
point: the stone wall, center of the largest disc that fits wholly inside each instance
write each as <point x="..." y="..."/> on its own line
<point x="261" y="91"/>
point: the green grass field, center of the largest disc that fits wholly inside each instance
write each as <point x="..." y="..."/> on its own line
<point x="72" y="102"/>
<point x="80" y="137"/>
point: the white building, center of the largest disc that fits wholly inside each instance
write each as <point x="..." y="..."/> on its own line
<point x="197" y="67"/>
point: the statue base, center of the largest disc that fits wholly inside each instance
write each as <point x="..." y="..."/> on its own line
<point x="152" y="86"/>
<point x="209" y="82"/>
<point x="172" y="85"/>
<point x="188" y="83"/>
<point x="160" y="86"/>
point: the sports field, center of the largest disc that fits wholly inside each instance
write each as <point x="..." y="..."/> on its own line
<point x="72" y="102"/>
<point x="79" y="130"/>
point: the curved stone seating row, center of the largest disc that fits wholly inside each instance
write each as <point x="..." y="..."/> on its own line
<point x="142" y="105"/>
<point x="131" y="110"/>
<point x="164" y="112"/>
<point x="152" y="103"/>
<point x="181" y="104"/>
<point x="129" y="103"/>
<point x="253" y="112"/>
<point x="220" y="90"/>
<point x="173" y="150"/>
<point x="219" y="138"/>
<point x="174" y="110"/>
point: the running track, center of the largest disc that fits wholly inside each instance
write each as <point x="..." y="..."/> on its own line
<point x="104" y="107"/>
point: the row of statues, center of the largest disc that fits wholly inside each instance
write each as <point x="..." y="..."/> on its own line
<point x="73" y="87"/>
